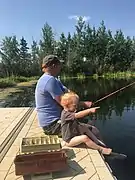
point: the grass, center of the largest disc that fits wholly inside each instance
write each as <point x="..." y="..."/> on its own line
<point x="14" y="80"/>
<point x="18" y="79"/>
<point x="78" y="76"/>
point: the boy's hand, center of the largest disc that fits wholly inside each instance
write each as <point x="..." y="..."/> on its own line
<point x="88" y="104"/>
<point x="93" y="110"/>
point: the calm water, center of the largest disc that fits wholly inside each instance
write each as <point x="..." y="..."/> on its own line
<point x="115" y="118"/>
<point x="24" y="98"/>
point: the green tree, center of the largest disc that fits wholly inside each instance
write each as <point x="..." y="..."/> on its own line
<point x="47" y="43"/>
<point x="119" y="42"/>
<point x="25" y="58"/>
<point x="132" y="64"/>
<point x="78" y="47"/>
<point x="90" y="42"/>
<point x="62" y="47"/>
<point x="35" y="62"/>
<point x="10" y="56"/>
<point x="102" y="42"/>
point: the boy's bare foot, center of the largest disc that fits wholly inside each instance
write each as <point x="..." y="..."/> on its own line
<point x="105" y="151"/>
<point x="63" y="143"/>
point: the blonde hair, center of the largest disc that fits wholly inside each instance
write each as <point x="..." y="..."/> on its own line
<point x="67" y="98"/>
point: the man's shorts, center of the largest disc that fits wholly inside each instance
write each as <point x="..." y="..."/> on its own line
<point x="53" y="129"/>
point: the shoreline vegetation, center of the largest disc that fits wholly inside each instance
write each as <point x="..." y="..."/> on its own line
<point x="118" y="75"/>
<point x="17" y="81"/>
<point x="28" y="81"/>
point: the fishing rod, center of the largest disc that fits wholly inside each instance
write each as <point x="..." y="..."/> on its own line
<point x="105" y="97"/>
<point x="113" y="93"/>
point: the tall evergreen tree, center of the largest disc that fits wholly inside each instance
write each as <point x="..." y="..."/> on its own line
<point x="62" y="47"/>
<point x="47" y="43"/>
<point x="25" y="58"/>
<point x="35" y="67"/>
<point x="10" y="55"/>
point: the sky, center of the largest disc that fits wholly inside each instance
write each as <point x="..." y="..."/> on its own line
<point x="27" y="17"/>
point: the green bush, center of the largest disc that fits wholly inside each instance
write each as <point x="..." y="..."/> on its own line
<point x="6" y="82"/>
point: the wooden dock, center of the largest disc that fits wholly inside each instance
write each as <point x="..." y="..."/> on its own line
<point x="16" y="123"/>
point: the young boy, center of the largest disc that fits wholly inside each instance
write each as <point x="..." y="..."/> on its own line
<point x="73" y="132"/>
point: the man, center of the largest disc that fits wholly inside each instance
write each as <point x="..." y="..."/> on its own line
<point x="48" y="96"/>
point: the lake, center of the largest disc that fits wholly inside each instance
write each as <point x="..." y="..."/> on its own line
<point x="115" y="118"/>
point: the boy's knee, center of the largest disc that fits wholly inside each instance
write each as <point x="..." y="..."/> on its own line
<point x="85" y="138"/>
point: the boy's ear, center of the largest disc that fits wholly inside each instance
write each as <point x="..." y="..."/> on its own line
<point x="64" y="102"/>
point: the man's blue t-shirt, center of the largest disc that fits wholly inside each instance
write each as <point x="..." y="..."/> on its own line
<point x="48" y="110"/>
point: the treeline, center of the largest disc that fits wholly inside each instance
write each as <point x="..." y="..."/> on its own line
<point x="88" y="51"/>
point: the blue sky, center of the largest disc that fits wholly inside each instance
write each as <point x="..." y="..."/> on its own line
<point x="27" y="17"/>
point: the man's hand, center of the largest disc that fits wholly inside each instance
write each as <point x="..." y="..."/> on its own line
<point x="87" y="104"/>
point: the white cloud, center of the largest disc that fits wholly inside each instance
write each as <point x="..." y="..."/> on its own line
<point x="74" y="17"/>
<point x="85" y="18"/>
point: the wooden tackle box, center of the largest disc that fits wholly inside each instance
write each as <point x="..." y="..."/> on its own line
<point x="40" y="155"/>
<point x="39" y="144"/>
